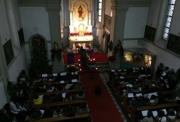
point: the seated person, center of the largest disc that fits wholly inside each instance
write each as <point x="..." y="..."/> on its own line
<point x="138" y="102"/>
<point x="69" y="111"/>
<point x="23" y="94"/>
<point x="4" y="117"/>
<point x="135" y="88"/>
<point x="38" y="99"/>
<point x="57" y="112"/>
<point x="18" y="110"/>
<point x="47" y="98"/>
<point x="148" y="118"/>
<point x="80" y="95"/>
<point x="171" y="115"/>
<point x="50" y="88"/>
<point x="59" y="87"/>
<point x="81" y="109"/>
<point x="159" y="70"/>
<point x="172" y="97"/>
<point x="41" y="88"/>
<point x="83" y="56"/>
<point x="161" y="117"/>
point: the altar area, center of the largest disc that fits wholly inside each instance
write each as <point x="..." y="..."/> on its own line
<point x="80" y="27"/>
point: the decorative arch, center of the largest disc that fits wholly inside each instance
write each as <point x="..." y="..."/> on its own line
<point x="36" y="39"/>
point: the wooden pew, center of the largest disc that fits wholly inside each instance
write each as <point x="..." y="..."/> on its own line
<point x="61" y="118"/>
<point x="59" y="103"/>
<point x="57" y="82"/>
<point x="134" y="110"/>
<point x="58" y="92"/>
<point x="125" y="99"/>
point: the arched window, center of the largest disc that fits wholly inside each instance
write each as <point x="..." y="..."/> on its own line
<point x="169" y="18"/>
<point x="99" y="10"/>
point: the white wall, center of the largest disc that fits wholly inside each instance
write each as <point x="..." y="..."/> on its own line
<point x="17" y="14"/>
<point x="131" y="44"/>
<point x="4" y="27"/>
<point x="19" y="64"/>
<point x="175" y="26"/>
<point x="107" y="7"/>
<point x="164" y="57"/>
<point x="153" y="14"/>
<point x="136" y="18"/>
<point x="32" y="17"/>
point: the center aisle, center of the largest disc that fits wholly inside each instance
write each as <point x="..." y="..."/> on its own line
<point x="102" y="107"/>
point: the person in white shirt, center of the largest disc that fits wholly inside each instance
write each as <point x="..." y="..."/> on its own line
<point x="19" y="111"/>
<point x="161" y="117"/>
<point x="148" y="118"/>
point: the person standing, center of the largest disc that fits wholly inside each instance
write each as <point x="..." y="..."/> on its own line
<point x="119" y="54"/>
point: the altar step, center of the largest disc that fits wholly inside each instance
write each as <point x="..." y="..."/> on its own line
<point x="103" y="66"/>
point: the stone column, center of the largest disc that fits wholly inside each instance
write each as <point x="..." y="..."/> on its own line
<point x="54" y="22"/>
<point x="161" y="20"/>
<point x="12" y="27"/>
<point x="118" y="21"/>
<point x="117" y="27"/>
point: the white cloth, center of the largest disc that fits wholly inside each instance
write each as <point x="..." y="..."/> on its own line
<point x="16" y="108"/>
<point x="147" y="119"/>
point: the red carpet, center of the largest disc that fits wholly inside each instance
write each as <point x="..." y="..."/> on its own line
<point x="101" y="107"/>
<point x="100" y="57"/>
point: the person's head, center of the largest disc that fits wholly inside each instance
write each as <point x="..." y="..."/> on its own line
<point x="161" y="65"/>
<point x="119" y="41"/>
<point x="80" y="93"/>
<point x="171" y="112"/>
<point x="161" y="113"/>
<point x="149" y="114"/>
<point x="14" y="99"/>
<point x="36" y="96"/>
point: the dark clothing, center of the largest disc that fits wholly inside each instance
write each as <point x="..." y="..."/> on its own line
<point x="83" y="56"/>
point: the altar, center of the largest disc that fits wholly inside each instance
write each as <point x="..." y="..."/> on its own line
<point x="81" y="41"/>
<point x="80" y="28"/>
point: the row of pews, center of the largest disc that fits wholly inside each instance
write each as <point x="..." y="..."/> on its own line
<point x="68" y="81"/>
<point x="123" y="81"/>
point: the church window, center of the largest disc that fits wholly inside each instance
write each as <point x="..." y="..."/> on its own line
<point x="99" y="10"/>
<point x="169" y="18"/>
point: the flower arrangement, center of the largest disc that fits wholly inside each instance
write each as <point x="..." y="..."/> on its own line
<point x="56" y="52"/>
<point x="91" y="61"/>
<point x="112" y="58"/>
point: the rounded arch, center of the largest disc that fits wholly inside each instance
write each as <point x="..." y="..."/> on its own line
<point x="37" y="37"/>
<point x="80" y="11"/>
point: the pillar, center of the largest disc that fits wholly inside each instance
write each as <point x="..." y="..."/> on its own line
<point x="12" y="27"/>
<point x="117" y="27"/>
<point x="54" y="22"/>
<point x="118" y="21"/>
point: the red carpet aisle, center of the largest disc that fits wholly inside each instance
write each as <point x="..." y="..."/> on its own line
<point x="101" y="107"/>
<point x="100" y="57"/>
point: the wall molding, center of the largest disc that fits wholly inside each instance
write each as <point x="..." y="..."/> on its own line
<point x="38" y="3"/>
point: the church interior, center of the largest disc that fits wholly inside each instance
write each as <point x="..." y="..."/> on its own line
<point x="89" y="61"/>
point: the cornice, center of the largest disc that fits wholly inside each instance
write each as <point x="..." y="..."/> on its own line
<point x="131" y="3"/>
<point x="38" y="3"/>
